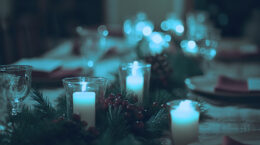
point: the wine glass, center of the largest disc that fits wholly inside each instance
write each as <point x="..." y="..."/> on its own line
<point x="15" y="84"/>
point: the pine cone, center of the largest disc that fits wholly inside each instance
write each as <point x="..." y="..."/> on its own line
<point x="161" y="70"/>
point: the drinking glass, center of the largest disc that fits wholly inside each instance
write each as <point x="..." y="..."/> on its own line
<point x="81" y="96"/>
<point x="15" y="84"/>
<point x="184" y="121"/>
<point x="135" y="79"/>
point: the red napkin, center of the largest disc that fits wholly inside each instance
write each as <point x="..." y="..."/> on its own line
<point x="237" y="55"/>
<point x="57" y="74"/>
<point x="229" y="141"/>
<point x="226" y="84"/>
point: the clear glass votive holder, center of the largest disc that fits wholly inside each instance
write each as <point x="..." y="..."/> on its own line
<point x="15" y="84"/>
<point x="81" y="96"/>
<point x="135" y="79"/>
<point x="184" y="122"/>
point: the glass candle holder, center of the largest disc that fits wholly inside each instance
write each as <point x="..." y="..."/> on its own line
<point x="15" y="84"/>
<point x="135" y="79"/>
<point x="184" y="116"/>
<point x="81" y="96"/>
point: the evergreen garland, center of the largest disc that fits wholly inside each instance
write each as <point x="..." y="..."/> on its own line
<point x="44" y="124"/>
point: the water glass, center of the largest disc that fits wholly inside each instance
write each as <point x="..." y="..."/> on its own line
<point x="15" y="84"/>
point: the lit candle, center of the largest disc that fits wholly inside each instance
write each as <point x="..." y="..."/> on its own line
<point x="184" y="123"/>
<point x="135" y="82"/>
<point x="84" y="105"/>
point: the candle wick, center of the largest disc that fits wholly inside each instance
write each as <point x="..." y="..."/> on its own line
<point x="84" y="86"/>
<point x="135" y="67"/>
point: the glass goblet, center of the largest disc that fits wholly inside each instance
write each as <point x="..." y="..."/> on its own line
<point x="16" y="82"/>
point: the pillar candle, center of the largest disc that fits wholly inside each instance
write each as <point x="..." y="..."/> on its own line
<point x="135" y="82"/>
<point x="84" y="105"/>
<point x="184" y="123"/>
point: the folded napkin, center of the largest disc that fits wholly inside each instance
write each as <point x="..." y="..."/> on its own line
<point x="229" y="141"/>
<point x="225" y="84"/>
<point x="45" y="68"/>
<point x="238" y="54"/>
<point x="57" y="74"/>
<point x="41" y="64"/>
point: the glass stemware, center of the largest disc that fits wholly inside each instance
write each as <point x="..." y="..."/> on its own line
<point x="15" y="83"/>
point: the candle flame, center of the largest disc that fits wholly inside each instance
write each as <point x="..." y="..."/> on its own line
<point x="135" y="67"/>
<point x="83" y="86"/>
<point x="186" y="105"/>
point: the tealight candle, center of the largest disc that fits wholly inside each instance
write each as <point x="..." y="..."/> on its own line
<point x="84" y="105"/>
<point x="184" y="123"/>
<point x="135" y="82"/>
<point x="81" y="96"/>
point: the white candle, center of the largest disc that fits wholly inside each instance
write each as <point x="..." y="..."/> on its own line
<point x="135" y="82"/>
<point x="84" y="105"/>
<point x="184" y="123"/>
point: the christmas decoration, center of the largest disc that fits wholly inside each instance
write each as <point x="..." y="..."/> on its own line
<point x="120" y="121"/>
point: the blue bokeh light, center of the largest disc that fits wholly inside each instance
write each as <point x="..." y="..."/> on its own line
<point x="174" y="24"/>
<point x="147" y="31"/>
<point x="179" y="29"/>
<point x="189" y="47"/>
<point x="90" y="63"/>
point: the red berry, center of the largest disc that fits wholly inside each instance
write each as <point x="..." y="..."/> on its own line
<point x="111" y="97"/>
<point x="93" y="131"/>
<point x="130" y="106"/>
<point x="163" y="105"/>
<point x="84" y="123"/>
<point x="135" y="99"/>
<point x="155" y="104"/>
<point x="139" y="125"/>
<point x="139" y="115"/>
<point x="107" y="101"/>
<point x="125" y="103"/>
<point x="75" y="117"/>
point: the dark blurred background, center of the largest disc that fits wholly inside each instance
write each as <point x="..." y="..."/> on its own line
<point x="28" y="28"/>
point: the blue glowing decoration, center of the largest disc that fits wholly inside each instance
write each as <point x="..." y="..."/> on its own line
<point x="158" y="42"/>
<point x="174" y="24"/>
<point x="202" y="35"/>
<point x="157" y="38"/>
<point x="90" y="63"/>
<point x="103" y="31"/>
<point x="189" y="47"/>
<point x="137" y="28"/>
<point x="167" y="38"/>
<point x="147" y="31"/>
<point x="127" y="27"/>
<point x="180" y="29"/>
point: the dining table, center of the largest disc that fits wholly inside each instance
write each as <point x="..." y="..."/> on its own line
<point x="236" y="117"/>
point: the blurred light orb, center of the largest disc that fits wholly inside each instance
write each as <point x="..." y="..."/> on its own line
<point x="189" y="47"/>
<point x="127" y="27"/>
<point x="191" y="44"/>
<point x="147" y="31"/>
<point x="90" y="63"/>
<point x="103" y="30"/>
<point x="140" y="26"/>
<point x="164" y="26"/>
<point x="167" y="38"/>
<point x="179" y="29"/>
<point x="157" y="38"/>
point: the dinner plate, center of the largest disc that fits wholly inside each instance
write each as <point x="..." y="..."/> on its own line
<point x="204" y="85"/>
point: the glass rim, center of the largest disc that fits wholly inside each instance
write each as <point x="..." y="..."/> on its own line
<point x="15" y="67"/>
<point x="80" y="79"/>
<point x="175" y="103"/>
<point x="141" y="64"/>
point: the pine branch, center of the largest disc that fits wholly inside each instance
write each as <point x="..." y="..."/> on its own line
<point x="157" y="123"/>
<point x="43" y="107"/>
<point x="61" y="105"/>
